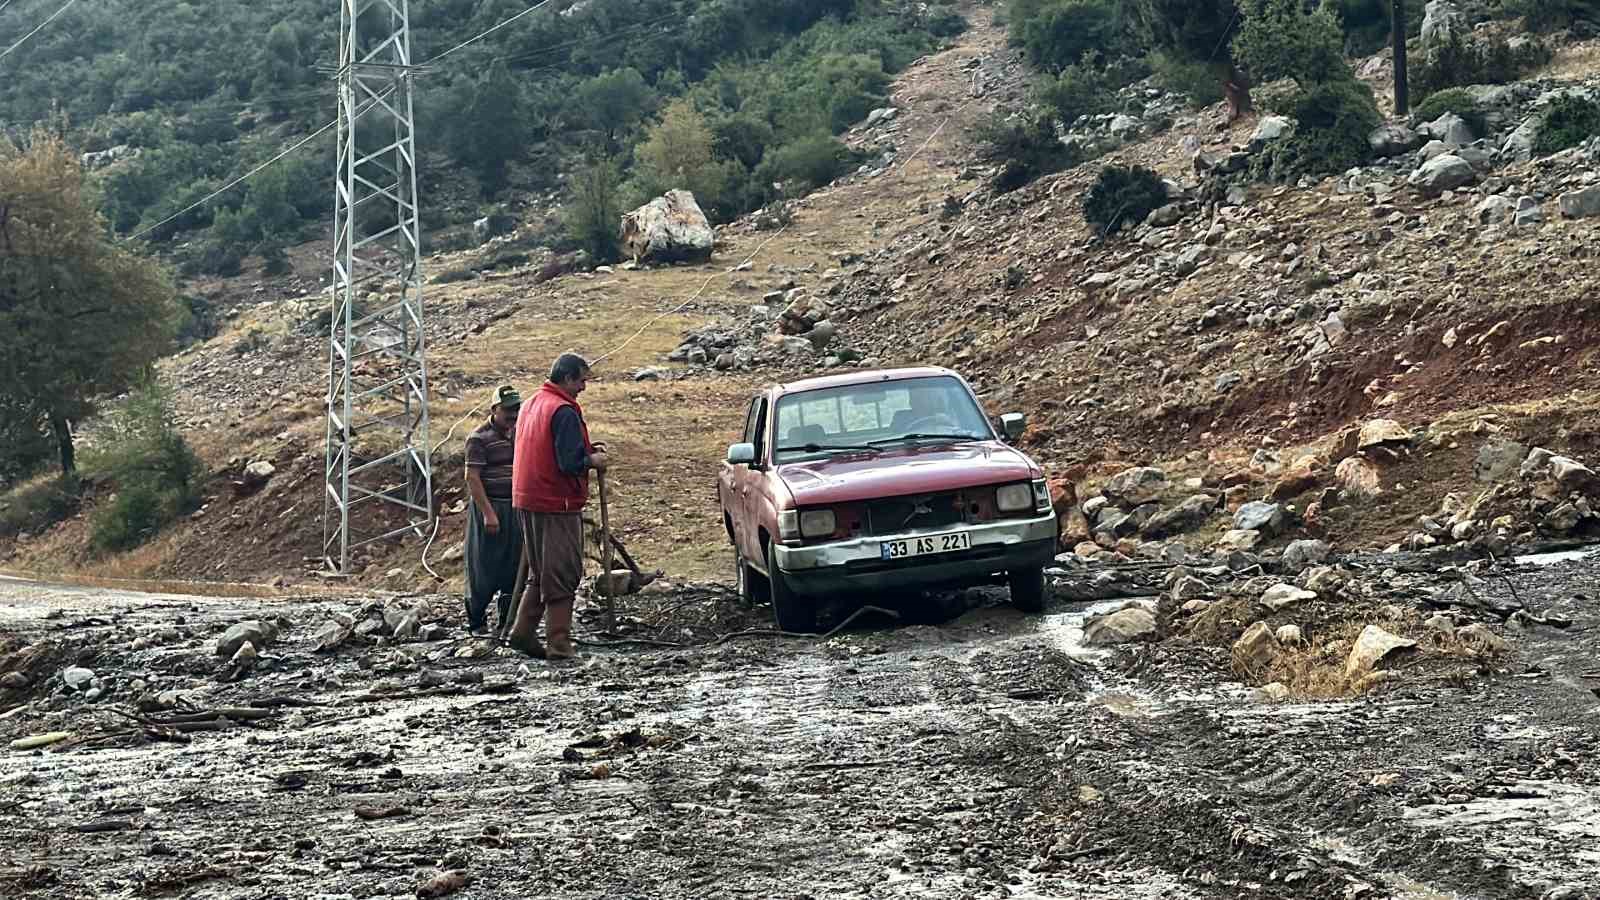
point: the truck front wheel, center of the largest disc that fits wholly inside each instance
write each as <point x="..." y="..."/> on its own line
<point x="790" y="611"/>
<point x="1027" y="589"/>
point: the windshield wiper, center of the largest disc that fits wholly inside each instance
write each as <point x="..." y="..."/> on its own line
<point x="827" y="448"/>
<point x="916" y="436"/>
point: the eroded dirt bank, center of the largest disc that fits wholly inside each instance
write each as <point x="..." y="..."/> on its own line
<point x="993" y="755"/>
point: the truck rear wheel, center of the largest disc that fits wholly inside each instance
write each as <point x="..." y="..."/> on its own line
<point x="790" y="611"/>
<point x="1027" y="589"/>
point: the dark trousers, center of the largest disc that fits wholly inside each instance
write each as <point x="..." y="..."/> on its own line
<point x="555" y="566"/>
<point x="492" y="561"/>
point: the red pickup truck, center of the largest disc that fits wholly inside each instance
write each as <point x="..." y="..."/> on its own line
<point x="878" y="480"/>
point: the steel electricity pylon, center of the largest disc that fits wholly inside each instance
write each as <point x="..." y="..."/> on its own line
<point x="378" y="472"/>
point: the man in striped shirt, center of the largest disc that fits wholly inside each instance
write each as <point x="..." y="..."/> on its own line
<point x="494" y="531"/>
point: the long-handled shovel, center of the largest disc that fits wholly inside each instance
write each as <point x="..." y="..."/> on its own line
<point x="603" y="583"/>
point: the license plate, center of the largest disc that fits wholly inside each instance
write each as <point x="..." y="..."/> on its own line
<point x="929" y="544"/>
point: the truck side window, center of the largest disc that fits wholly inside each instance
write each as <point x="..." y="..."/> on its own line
<point x="751" y="421"/>
<point x="759" y="437"/>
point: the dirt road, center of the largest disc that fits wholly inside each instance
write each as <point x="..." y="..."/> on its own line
<point x="992" y="755"/>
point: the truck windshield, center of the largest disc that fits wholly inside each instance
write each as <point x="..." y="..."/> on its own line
<point x="878" y="415"/>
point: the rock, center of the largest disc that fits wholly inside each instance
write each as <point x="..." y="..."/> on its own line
<point x="1280" y="597"/>
<point x="1498" y="460"/>
<point x="1358" y="478"/>
<point x="1440" y="20"/>
<point x="1289" y="635"/>
<point x="651" y="374"/>
<point x="1239" y="540"/>
<point x="1528" y="212"/>
<point x="1442" y="173"/>
<point x="1537" y="464"/>
<point x="1125" y="127"/>
<point x="670" y="228"/>
<point x="1382" y="432"/>
<point x="1562" y="519"/>
<point x="1495" y="210"/>
<point x="407" y="628"/>
<point x="1440" y="624"/>
<point x="1269" y="129"/>
<point x="1518" y="147"/>
<point x="1276" y="692"/>
<point x="1267" y="518"/>
<point x="1189" y="588"/>
<point x="882" y="114"/>
<point x="1227" y="381"/>
<point x="331" y="635"/>
<point x="1450" y="128"/>
<point x="1121" y="627"/>
<point x="1165" y="216"/>
<point x="1478" y="637"/>
<point x="1393" y="140"/>
<point x="1093" y="506"/>
<point x="1463" y="531"/>
<point x="432" y="632"/>
<point x="1373" y="648"/>
<point x="1582" y="204"/>
<point x="1432" y="150"/>
<point x="255" y="631"/>
<point x="77" y="678"/>
<point x="1135" y="486"/>
<point x="1114" y="523"/>
<point x="1323" y="579"/>
<point x="1187" y="515"/>
<point x="14" y="681"/>
<point x="1571" y="475"/>
<point x="245" y="656"/>
<point x="821" y="334"/>
<point x="1195" y="607"/>
<point x="1301" y="555"/>
<point x="257" y="473"/>
<point x="1255" y="650"/>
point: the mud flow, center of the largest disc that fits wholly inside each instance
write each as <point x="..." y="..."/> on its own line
<point x="964" y="750"/>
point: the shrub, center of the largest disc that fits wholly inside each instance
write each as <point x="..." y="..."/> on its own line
<point x="1568" y="121"/>
<point x="1025" y="148"/>
<point x="944" y="21"/>
<point x="152" y="466"/>
<point x="1121" y="197"/>
<point x="806" y="164"/>
<point x="594" y="212"/>
<point x="1460" y="61"/>
<point x="34" y="507"/>
<point x="1077" y="91"/>
<point x="1197" y="81"/>
<point x="1332" y="122"/>
<point x="1453" y="100"/>
<point x="1056" y="34"/>
<point x="197" y="321"/>
<point x="450" y="276"/>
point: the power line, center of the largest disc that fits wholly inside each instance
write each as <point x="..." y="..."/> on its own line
<point x="30" y="34"/>
<point x="4" y="5"/>
<point x="537" y="6"/>
<point x="626" y="29"/>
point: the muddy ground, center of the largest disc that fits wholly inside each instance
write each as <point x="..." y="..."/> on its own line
<point x="988" y="755"/>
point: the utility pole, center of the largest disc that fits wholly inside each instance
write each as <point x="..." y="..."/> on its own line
<point x="378" y="473"/>
<point x="1402" y="89"/>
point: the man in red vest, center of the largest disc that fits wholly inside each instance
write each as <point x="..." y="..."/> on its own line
<point x="549" y="487"/>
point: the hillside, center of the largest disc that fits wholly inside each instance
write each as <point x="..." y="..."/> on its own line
<point x="1236" y="345"/>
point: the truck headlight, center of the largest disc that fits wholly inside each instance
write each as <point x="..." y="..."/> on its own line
<point x="1014" y="498"/>
<point x="816" y="523"/>
<point x="788" y="525"/>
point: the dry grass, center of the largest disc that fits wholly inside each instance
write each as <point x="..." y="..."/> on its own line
<point x="1573" y="62"/>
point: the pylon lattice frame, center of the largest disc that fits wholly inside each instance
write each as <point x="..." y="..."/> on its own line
<point x="378" y="470"/>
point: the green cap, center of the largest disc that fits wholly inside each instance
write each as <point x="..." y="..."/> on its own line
<point x="505" y="395"/>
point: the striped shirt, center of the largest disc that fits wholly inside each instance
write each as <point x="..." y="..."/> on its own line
<point x="490" y="451"/>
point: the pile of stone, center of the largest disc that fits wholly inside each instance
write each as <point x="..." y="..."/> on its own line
<point x="789" y="330"/>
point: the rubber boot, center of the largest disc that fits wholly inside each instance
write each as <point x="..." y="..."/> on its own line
<point x="525" y="630"/>
<point x="558" y="631"/>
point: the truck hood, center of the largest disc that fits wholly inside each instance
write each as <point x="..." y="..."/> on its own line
<point x="849" y="477"/>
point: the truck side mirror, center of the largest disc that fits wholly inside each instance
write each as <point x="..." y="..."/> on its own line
<point x="1013" y="424"/>
<point x="741" y="454"/>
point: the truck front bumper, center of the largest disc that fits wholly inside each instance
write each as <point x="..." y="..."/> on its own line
<point x="858" y="564"/>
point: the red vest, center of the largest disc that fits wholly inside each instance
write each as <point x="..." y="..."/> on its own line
<point x="537" y="482"/>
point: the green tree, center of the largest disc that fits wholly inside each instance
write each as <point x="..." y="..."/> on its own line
<point x="613" y="102"/>
<point x="80" y="317"/>
<point x="1282" y="39"/>
<point x="679" y="153"/>
<point x="1197" y="32"/>
<point x="593" y="213"/>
